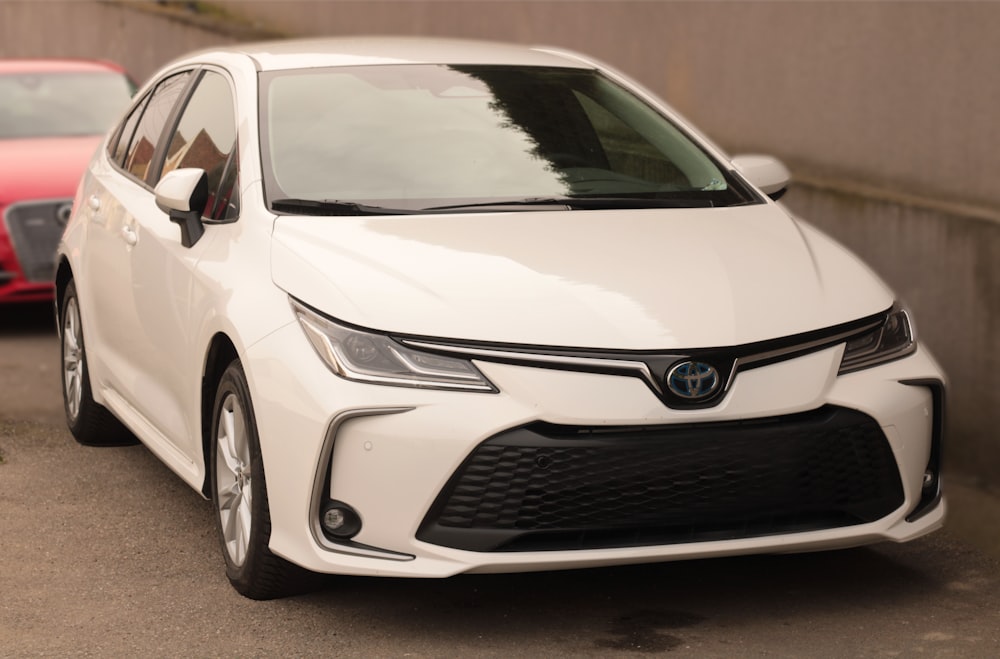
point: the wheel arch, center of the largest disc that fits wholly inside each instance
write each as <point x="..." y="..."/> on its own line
<point x="64" y="274"/>
<point x="221" y="353"/>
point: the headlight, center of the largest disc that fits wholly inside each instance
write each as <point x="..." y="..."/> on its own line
<point x="891" y="340"/>
<point x="365" y="356"/>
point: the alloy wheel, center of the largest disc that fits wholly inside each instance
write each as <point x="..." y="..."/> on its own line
<point x="233" y="479"/>
<point x="72" y="359"/>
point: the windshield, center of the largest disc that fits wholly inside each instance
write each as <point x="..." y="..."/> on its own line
<point x="60" y="104"/>
<point x="415" y="137"/>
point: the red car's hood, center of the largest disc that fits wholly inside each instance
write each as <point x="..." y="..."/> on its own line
<point x="43" y="168"/>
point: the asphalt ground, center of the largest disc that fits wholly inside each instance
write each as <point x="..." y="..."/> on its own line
<point x="104" y="552"/>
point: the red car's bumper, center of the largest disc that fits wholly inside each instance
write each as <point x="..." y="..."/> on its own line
<point x="26" y="292"/>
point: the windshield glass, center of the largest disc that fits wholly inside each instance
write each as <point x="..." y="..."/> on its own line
<point x="60" y="104"/>
<point x="419" y="137"/>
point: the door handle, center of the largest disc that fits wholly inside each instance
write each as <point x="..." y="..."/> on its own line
<point x="130" y="236"/>
<point x="94" y="202"/>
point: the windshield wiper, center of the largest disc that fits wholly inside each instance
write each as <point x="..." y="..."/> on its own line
<point x="521" y="204"/>
<point x="638" y="201"/>
<point x="586" y="203"/>
<point x="334" y="207"/>
<point x="338" y="207"/>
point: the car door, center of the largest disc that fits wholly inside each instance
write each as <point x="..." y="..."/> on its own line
<point x="113" y="186"/>
<point x="166" y="290"/>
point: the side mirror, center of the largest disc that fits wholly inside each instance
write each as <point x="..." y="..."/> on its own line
<point x="182" y="194"/>
<point x="764" y="172"/>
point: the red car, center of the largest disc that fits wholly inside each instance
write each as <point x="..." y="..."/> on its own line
<point x="53" y="114"/>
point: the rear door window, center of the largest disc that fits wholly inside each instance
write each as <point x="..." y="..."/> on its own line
<point x="123" y="137"/>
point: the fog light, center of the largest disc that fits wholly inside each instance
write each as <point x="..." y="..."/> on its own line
<point x="340" y="520"/>
<point x="930" y="479"/>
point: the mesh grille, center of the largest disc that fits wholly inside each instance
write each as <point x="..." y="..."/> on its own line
<point x="553" y="487"/>
<point x="35" y="229"/>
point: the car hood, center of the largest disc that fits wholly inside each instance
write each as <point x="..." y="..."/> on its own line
<point x="638" y="279"/>
<point x="43" y="168"/>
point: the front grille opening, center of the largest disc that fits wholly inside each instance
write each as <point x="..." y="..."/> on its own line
<point x="545" y="487"/>
<point x="35" y="229"/>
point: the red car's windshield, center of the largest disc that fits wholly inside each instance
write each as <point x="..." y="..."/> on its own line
<point x="60" y="104"/>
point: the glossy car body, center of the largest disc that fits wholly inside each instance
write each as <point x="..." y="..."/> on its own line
<point x="53" y="114"/>
<point x="452" y="381"/>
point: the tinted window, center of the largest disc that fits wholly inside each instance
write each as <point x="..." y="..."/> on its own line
<point x="206" y="138"/>
<point x="140" y="150"/>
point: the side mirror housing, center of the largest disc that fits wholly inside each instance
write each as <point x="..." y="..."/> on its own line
<point x="182" y="195"/>
<point x="764" y="172"/>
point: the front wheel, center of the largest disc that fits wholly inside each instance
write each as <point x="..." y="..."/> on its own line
<point x="239" y="493"/>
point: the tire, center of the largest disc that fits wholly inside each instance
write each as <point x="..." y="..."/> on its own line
<point x="239" y="495"/>
<point x="90" y="422"/>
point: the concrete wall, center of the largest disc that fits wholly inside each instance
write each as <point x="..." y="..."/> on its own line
<point x="886" y="112"/>
<point x="946" y="268"/>
<point x="139" y="40"/>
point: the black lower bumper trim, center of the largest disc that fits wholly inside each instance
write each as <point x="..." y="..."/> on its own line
<point x="548" y="487"/>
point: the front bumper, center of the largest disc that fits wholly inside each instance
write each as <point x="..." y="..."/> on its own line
<point x="390" y="453"/>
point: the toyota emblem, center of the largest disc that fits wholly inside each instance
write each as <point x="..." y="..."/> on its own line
<point x="692" y="380"/>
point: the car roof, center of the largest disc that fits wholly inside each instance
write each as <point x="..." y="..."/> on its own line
<point x="361" y="51"/>
<point x="55" y="65"/>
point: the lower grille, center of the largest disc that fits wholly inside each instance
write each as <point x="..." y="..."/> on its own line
<point x="547" y="487"/>
<point x="35" y="229"/>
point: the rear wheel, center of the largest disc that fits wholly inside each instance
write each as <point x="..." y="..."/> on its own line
<point x="239" y="493"/>
<point x="90" y="422"/>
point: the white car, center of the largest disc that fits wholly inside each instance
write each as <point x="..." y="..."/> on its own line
<point x="413" y="307"/>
